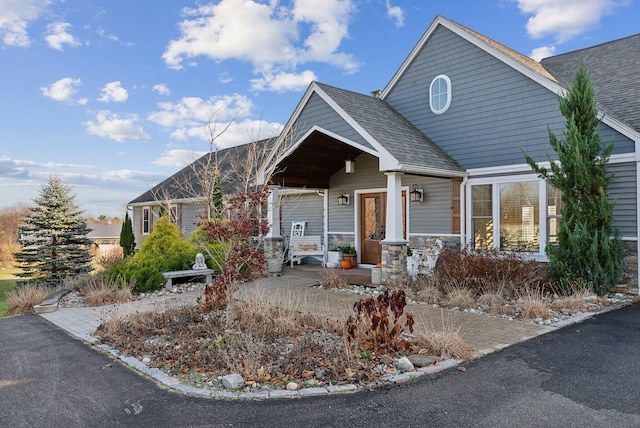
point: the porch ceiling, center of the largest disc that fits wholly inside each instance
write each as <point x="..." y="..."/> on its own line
<point x="315" y="160"/>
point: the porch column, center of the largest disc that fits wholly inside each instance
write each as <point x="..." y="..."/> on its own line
<point x="394" y="246"/>
<point x="273" y="241"/>
<point x="273" y="212"/>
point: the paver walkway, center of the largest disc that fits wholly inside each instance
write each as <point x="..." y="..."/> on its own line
<point x="481" y="332"/>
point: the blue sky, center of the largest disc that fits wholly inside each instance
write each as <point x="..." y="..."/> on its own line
<point x="114" y="96"/>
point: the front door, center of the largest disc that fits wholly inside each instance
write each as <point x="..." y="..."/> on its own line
<point x="373" y="217"/>
<point x="372" y="221"/>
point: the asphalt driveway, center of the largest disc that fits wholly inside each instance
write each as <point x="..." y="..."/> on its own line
<point x="583" y="375"/>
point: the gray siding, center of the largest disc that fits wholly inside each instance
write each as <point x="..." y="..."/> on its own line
<point x="367" y="176"/>
<point x="190" y="216"/>
<point x="623" y="192"/>
<point x="495" y="111"/>
<point x="317" y="113"/>
<point x="433" y="214"/>
<point x="305" y="207"/>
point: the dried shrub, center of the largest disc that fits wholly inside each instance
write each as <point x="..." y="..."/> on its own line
<point x="473" y="268"/>
<point x="331" y="278"/>
<point x="376" y="323"/>
<point x="22" y="300"/>
<point x="214" y="297"/>
<point x="423" y="288"/>
<point x="110" y="259"/>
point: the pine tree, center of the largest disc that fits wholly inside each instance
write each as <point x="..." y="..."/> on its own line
<point x="54" y="237"/>
<point x="127" y="239"/>
<point x="589" y="248"/>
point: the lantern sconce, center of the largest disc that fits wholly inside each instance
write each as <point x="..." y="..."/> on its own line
<point x="343" y="199"/>
<point x="416" y="194"/>
<point x="349" y="166"/>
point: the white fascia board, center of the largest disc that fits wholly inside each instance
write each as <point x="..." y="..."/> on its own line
<point x="422" y="170"/>
<point x="524" y="167"/>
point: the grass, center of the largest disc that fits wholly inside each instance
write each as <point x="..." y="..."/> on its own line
<point x="7" y="282"/>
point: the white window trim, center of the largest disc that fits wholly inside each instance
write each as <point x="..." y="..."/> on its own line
<point x="540" y="255"/>
<point x="148" y="209"/>
<point x="449" y="94"/>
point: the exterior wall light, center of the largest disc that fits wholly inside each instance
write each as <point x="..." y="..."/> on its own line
<point x="343" y="199"/>
<point x="416" y="194"/>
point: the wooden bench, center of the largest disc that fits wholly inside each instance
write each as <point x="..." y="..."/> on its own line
<point x="305" y="246"/>
<point x="191" y="273"/>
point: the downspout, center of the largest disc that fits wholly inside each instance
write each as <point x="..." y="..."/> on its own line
<point x="463" y="221"/>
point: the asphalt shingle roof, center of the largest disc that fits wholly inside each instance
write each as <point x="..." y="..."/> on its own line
<point x="186" y="183"/>
<point x="614" y="68"/>
<point x="395" y="133"/>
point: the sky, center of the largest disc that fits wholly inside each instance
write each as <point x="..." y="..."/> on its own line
<point x="115" y="96"/>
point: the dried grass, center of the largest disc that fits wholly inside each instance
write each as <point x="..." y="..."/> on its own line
<point x="331" y="278"/>
<point x="445" y="342"/>
<point x="21" y="300"/>
<point x="534" y="305"/>
<point x="99" y="291"/>
<point x="459" y="296"/>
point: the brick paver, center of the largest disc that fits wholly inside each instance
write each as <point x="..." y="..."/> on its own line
<point x="481" y="332"/>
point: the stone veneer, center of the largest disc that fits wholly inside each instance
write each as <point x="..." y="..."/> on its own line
<point x="340" y="239"/>
<point x="274" y="252"/>
<point x="394" y="261"/>
<point x="425" y="242"/>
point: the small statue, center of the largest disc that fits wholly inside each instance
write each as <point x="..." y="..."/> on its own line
<point x="199" y="264"/>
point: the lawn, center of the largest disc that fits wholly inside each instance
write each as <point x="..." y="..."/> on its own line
<point x="7" y="281"/>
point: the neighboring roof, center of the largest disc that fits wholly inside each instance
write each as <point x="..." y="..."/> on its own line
<point x="101" y="230"/>
<point x="403" y="140"/>
<point x="614" y="70"/>
<point x="185" y="184"/>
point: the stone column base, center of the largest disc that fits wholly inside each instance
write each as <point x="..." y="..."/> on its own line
<point x="274" y="253"/>
<point x="394" y="261"/>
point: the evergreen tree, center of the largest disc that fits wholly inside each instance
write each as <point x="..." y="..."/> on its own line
<point x="589" y="248"/>
<point x="54" y="237"/>
<point x="127" y="239"/>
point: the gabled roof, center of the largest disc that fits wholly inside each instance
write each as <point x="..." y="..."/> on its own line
<point x="101" y="230"/>
<point x="401" y="139"/>
<point x="614" y="68"/>
<point x="556" y="73"/>
<point x="186" y="184"/>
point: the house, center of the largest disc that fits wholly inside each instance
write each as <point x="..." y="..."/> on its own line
<point x="437" y="154"/>
<point x="183" y="194"/>
<point x="105" y="238"/>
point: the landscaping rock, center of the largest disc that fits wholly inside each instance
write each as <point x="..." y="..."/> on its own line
<point x="422" y="360"/>
<point x="292" y="386"/>
<point x="233" y="381"/>
<point x="404" y="365"/>
<point x="319" y="373"/>
<point x="387" y="360"/>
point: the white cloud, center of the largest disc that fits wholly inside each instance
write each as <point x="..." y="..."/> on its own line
<point x="565" y="19"/>
<point x="114" y="92"/>
<point x="396" y="13"/>
<point x="62" y="90"/>
<point x="195" y="112"/>
<point x="542" y="52"/>
<point x="15" y="16"/>
<point x="283" y="81"/>
<point x="57" y="36"/>
<point x="177" y="158"/>
<point x="269" y="36"/>
<point x="112" y="126"/>
<point x="162" y="89"/>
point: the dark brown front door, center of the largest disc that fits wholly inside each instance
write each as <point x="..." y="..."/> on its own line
<point x="372" y="221"/>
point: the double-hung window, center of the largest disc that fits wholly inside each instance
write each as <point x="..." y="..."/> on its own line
<point x="146" y="220"/>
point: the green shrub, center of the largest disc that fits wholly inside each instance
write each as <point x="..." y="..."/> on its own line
<point x="163" y="250"/>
